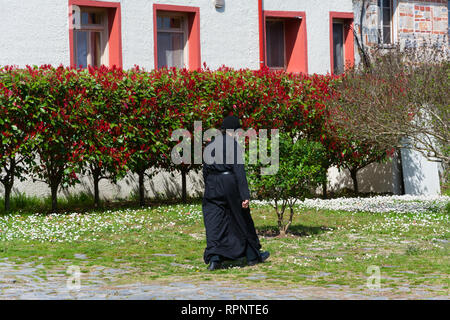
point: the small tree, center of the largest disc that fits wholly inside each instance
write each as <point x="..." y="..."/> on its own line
<point x="107" y="155"/>
<point x="404" y="96"/>
<point x="60" y="123"/>
<point x="299" y="173"/>
<point x="16" y="127"/>
<point x="149" y="117"/>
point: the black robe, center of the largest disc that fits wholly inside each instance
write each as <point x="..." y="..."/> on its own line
<point x="230" y="231"/>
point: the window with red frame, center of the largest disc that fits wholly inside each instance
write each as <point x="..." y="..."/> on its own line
<point x="176" y="34"/>
<point x="95" y="33"/>
<point x="90" y="39"/>
<point x="172" y="40"/>
<point x="285" y="41"/>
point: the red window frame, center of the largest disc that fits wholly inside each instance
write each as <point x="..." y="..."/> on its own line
<point x="193" y="13"/>
<point x="114" y="29"/>
<point x="296" y="44"/>
<point x="349" y="42"/>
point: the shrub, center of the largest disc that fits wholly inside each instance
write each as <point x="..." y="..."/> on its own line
<point x="300" y="172"/>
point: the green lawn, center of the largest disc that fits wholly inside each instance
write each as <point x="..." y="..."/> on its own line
<point x="324" y="247"/>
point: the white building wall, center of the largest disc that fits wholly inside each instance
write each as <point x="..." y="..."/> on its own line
<point x="36" y="32"/>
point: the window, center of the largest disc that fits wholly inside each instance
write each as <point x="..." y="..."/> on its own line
<point x="90" y="40"/>
<point x="275" y="44"/>
<point x="172" y="40"/>
<point x="384" y="21"/>
<point x="285" y="41"/>
<point x="338" y="47"/>
<point x="176" y="36"/>
<point x="95" y="33"/>
<point x="342" y="51"/>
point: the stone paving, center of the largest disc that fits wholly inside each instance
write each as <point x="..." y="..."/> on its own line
<point x="25" y="281"/>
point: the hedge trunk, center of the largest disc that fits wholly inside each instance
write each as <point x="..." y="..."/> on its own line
<point x="8" y="189"/>
<point x="96" y="191"/>
<point x="183" y="186"/>
<point x="96" y="176"/>
<point x="324" y="190"/>
<point x="54" y="190"/>
<point x="353" y="174"/>
<point x="141" y="174"/>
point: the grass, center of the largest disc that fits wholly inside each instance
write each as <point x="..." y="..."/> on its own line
<point x="324" y="247"/>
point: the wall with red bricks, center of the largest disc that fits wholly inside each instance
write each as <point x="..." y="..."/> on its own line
<point x="411" y="21"/>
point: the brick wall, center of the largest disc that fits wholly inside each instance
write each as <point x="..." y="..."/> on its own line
<point x="411" y="20"/>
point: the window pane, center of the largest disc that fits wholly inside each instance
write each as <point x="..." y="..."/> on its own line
<point x="338" y="48"/>
<point x="163" y="22"/>
<point x="387" y="35"/>
<point x="275" y="44"/>
<point x="96" y="49"/>
<point x="169" y="22"/>
<point x="386" y="17"/>
<point x="175" y="23"/>
<point x="387" y="3"/>
<point x="170" y="50"/>
<point x="90" y="18"/>
<point x="81" y="48"/>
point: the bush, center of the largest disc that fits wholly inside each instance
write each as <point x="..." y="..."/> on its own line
<point x="300" y="172"/>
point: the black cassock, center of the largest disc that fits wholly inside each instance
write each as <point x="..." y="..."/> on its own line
<point x="230" y="231"/>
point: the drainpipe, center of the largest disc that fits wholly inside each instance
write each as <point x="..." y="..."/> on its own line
<point x="261" y="34"/>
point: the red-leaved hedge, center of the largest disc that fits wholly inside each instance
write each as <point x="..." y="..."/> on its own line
<point x="107" y="121"/>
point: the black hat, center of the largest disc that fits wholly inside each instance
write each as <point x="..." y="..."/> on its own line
<point x="231" y="122"/>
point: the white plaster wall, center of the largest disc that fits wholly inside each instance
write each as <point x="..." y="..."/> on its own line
<point x="34" y="32"/>
<point x="376" y="177"/>
<point x="162" y="185"/>
<point x="421" y="176"/>
<point x="228" y="36"/>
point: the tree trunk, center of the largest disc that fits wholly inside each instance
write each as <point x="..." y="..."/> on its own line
<point x="400" y="164"/>
<point x="96" y="172"/>
<point x="183" y="186"/>
<point x="366" y="59"/>
<point x="8" y="188"/>
<point x="353" y="174"/>
<point x="281" y="227"/>
<point x="324" y="189"/>
<point x="96" y="191"/>
<point x="54" y="189"/>
<point x="141" y="174"/>
<point x="280" y="222"/>
<point x="8" y="183"/>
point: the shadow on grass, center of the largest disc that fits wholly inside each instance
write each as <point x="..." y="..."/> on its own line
<point x="228" y="264"/>
<point x="81" y="203"/>
<point x="295" y="230"/>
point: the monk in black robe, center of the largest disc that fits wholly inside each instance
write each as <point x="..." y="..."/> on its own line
<point x="230" y="231"/>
